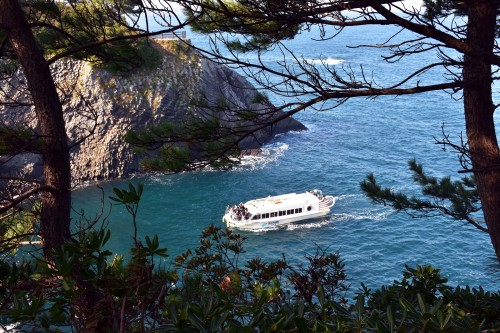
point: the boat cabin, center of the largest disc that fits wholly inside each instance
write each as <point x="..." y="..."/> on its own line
<point x="278" y="206"/>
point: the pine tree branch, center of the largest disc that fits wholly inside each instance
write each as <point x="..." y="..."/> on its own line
<point x="457" y="200"/>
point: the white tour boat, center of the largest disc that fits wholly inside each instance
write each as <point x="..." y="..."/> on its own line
<point x="278" y="210"/>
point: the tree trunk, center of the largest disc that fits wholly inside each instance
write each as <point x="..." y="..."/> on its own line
<point x="479" y="109"/>
<point x="56" y="203"/>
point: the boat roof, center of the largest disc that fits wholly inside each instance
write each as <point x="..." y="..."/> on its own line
<point x="280" y="202"/>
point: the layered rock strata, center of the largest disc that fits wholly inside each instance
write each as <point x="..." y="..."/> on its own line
<point x="100" y="107"/>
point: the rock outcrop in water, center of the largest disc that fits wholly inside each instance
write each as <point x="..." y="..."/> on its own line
<point x="100" y="107"/>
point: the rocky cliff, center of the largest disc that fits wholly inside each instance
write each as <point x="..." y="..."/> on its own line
<point x="100" y="107"/>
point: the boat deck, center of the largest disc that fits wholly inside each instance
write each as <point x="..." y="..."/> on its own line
<point x="285" y="200"/>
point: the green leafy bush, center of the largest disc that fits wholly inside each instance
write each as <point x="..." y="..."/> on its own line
<point x="86" y="288"/>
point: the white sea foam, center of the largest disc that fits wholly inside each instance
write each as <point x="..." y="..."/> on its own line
<point x="159" y="179"/>
<point x="345" y="196"/>
<point x="361" y="215"/>
<point x="310" y="225"/>
<point x="261" y="231"/>
<point x="268" y="154"/>
<point x="292" y="226"/>
<point x="324" y="61"/>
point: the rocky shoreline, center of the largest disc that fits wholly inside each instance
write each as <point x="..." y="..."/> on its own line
<point x="100" y="107"/>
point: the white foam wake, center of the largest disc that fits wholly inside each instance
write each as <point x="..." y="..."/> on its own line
<point x="360" y="215"/>
<point x="310" y="225"/>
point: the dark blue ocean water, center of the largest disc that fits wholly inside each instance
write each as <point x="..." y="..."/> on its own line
<point x="340" y="148"/>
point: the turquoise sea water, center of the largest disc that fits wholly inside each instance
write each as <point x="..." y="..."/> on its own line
<point x="341" y="146"/>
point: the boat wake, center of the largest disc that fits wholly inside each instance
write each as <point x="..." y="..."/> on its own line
<point x="357" y="214"/>
<point x="345" y="196"/>
<point x="361" y="215"/>
<point x="310" y="225"/>
<point x="328" y="220"/>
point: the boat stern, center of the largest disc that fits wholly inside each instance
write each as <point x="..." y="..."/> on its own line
<point x="326" y="204"/>
<point x="226" y="219"/>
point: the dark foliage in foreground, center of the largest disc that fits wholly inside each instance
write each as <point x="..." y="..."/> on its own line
<point x="209" y="292"/>
<point x="208" y="289"/>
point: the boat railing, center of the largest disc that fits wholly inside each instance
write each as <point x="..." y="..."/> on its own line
<point x="238" y="212"/>
<point x="328" y="201"/>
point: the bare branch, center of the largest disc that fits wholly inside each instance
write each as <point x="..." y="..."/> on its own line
<point x="6" y="206"/>
<point x="432" y="32"/>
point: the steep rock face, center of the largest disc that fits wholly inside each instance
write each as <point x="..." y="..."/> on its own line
<point x="100" y="107"/>
<point x="218" y="83"/>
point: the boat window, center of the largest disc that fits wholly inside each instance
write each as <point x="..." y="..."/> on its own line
<point x="273" y="214"/>
<point x="290" y="211"/>
<point x="300" y="210"/>
<point x="266" y="215"/>
<point x="309" y="208"/>
<point x="280" y="213"/>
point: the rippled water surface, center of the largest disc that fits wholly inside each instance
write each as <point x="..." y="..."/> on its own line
<point x="340" y="148"/>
